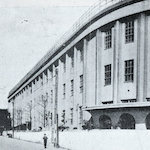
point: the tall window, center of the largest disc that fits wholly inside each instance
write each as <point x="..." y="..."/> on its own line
<point x="81" y="84"/>
<point x="72" y="61"/>
<point x="71" y="115"/>
<point x="72" y="87"/>
<point x="41" y="77"/>
<point x="129" y="31"/>
<point x="51" y="96"/>
<point x="81" y="115"/>
<point x="63" y="117"/>
<point x="108" y="74"/>
<point x="46" y="75"/>
<point x="81" y="55"/>
<point x="64" y="66"/>
<point x="64" y="91"/>
<point x="108" y="39"/>
<point x="129" y="70"/>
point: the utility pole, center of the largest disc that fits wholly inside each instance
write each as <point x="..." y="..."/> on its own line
<point x="56" y="132"/>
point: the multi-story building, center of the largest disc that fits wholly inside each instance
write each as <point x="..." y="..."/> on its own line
<point x="101" y="66"/>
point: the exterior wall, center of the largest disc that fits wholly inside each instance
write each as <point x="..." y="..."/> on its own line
<point x="90" y="71"/>
<point x="40" y="98"/>
<point x="127" y="52"/>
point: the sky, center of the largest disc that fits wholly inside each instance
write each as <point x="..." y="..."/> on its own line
<point x="28" y="29"/>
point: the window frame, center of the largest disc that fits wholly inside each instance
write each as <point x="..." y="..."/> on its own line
<point x="107" y="71"/>
<point x="81" y="83"/>
<point x="72" y="88"/>
<point x="129" y="70"/>
<point x="129" y="31"/>
<point x="64" y="91"/>
<point x="108" y="39"/>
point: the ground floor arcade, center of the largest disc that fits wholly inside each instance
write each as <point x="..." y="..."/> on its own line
<point x="120" y="118"/>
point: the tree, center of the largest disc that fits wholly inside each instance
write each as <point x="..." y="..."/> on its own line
<point x="29" y="110"/>
<point x="44" y="114"/>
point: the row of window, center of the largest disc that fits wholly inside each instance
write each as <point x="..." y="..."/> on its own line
<point x="128" y="73"/>
<point x="63" y="115"/>
<point x="129" y="37"/>
<point x="72" y="87"/>
<point x="72" y="60"/>
<point x="129" y="34"/>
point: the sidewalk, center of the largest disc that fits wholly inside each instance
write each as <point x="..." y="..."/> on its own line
<point x="51" y="147"/>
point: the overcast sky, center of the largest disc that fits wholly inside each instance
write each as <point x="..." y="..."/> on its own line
<point x="28" y="29"/>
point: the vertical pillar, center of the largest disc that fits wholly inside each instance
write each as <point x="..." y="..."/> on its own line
<point x="141" y="59"/>
<point x="116" y="47"/>
<point x="98" y="66"/>
<point x="76" y="81"/>
<point x="84" y="70"/>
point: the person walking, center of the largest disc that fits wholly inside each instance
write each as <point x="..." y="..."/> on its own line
<point x="45" y="140"/>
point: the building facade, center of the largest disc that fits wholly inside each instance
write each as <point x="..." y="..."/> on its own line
<point x="102" y="67"/>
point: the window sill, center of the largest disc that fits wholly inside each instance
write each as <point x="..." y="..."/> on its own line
<point x="107" y="85"/>
<point x="128" y="81"/>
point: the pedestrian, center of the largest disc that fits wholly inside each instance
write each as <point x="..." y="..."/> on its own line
<point x="45" y="140"/>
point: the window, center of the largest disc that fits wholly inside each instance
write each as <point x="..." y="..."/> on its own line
<point x="80" y="115"/>
<point x="72" y="61"/>
<point x="108" y="39"/>
<point x="129" y="70"/>
<point x="41" y="77"/>
<point x="63" y="117"/>
<point x="72" y="87"/>
<point x="108" y="74"/>
<point x="71" y="115"/>
<point x="64" y="91"/>
<point x="129" y="31"/>
<point x="46" y="75"/>
<point x="64" y="66"/>
<point x="81" y="55"/>
<point x="51" y="96"/>
<point x="81" y="84"/>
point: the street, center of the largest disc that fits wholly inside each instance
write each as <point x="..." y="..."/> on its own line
<point x="15" y="144"/>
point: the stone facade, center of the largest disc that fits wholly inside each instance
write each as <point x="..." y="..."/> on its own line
<point x="103" y="69"/>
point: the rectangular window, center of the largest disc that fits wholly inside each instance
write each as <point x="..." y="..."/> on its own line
<point x="64" y="91"/>
<point x="129" y="70"/>
<point x="41" y="78"/>
<point x="64" y="66"/>
<point x="51" y="96"/>
<point x="72" y="87"/>
<point x="108" y="39"/>
<point x="81" y="55"/>
<point x="71" y="115"/>
<point x="72" y="61"/>
<point x="108" y="74"/>
<point x="81" y="84"/>
<point x="129" y="31"/>
<point x="81" y="115"/>
<point x="63" y="117"/>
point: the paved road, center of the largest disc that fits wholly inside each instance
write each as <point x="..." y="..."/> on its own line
<point x="14" y="144"/>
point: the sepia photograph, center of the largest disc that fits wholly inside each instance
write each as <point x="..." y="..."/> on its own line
<point x="74" y="74"/>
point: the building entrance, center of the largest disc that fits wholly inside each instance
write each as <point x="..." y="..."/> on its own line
<point x="147" y="121"/>
<point x="105" y="122"/>
<point x="127" y="121"/>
